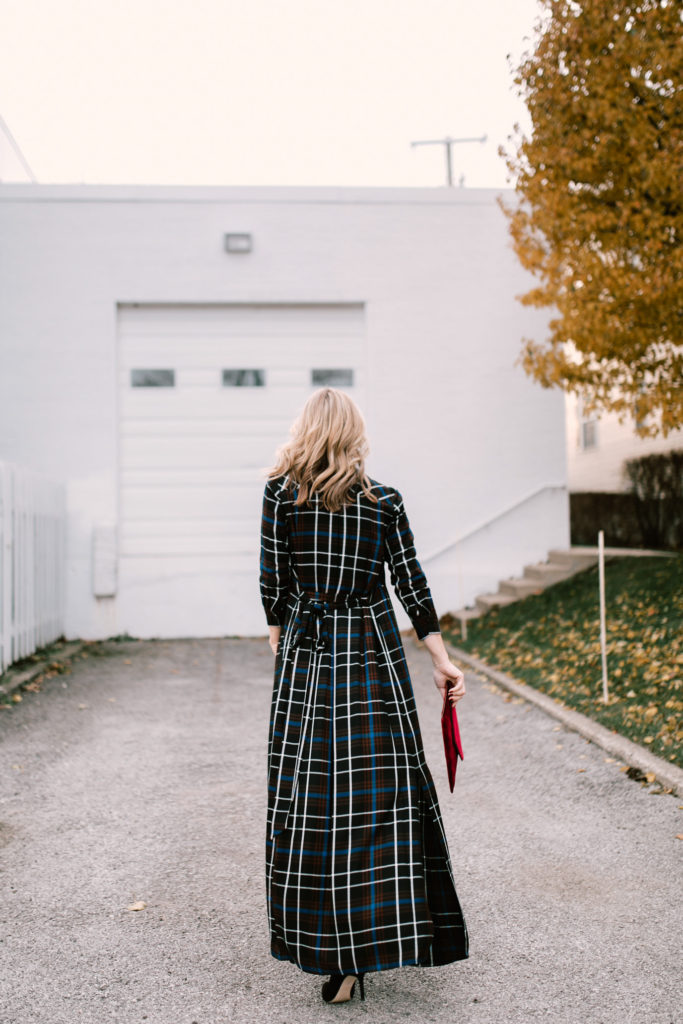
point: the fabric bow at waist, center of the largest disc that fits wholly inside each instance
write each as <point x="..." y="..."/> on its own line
<point x="314" y="611"/>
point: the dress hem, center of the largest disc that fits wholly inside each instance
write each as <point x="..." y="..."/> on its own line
<point x="374" y="969"/>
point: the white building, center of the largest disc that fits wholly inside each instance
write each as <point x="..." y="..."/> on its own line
<point x="155" y="372"/>
<point x="598" y="447"/>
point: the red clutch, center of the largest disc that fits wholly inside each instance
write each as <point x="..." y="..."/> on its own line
<point x="451" y="739"/>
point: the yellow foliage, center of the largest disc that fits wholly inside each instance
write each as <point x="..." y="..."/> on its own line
<point x="600" y="217"/>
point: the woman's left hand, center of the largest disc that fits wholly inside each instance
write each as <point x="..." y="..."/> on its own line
<point x="448" y="678"/>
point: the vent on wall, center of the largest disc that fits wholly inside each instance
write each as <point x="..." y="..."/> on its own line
<point x="237" y="242"/>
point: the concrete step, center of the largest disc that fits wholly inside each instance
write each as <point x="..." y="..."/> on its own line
<point x="487" y="601"/>
<point x="611" y="552"/>
<point x="578" y="560"/>
<point x="466" y="614"/>
<point x="548" y="572"/>
<point x="519" y="588"/>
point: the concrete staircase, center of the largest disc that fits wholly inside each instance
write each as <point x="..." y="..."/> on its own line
<point x="560" y="565"/>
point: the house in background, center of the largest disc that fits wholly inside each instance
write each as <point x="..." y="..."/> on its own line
<point x="601" y="495"/>
<point x="598" y="447"/>
<point x="157" y="342"/>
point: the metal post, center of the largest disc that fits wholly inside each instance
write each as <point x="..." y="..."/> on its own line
<point x="603" y="628"/>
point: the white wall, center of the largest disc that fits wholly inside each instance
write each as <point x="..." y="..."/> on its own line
<point x="600" y="468"/>
<point x="453" y="423"/>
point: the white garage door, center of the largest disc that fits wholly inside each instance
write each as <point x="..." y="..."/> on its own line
<point x="207" y="393"/>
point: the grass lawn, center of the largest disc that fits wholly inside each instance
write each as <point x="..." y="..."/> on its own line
<point x="552" y="642"/>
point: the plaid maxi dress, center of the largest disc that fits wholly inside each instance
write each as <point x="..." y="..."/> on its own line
<point x="358" y="873"/>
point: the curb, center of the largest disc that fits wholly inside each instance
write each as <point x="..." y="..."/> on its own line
<point x="669" y="775"/>
<point x="13" y="679"/>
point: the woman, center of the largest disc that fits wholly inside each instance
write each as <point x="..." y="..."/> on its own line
<point x="358" y="872"/>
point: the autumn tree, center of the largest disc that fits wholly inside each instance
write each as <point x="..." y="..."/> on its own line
<point x="599" y="219"/>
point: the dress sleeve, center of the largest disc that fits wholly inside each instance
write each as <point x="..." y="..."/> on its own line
<point x="407" y="577"/>
<point x="274" y="563"/>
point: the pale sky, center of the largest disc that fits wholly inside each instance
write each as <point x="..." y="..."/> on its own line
<point x="261" y="92"/>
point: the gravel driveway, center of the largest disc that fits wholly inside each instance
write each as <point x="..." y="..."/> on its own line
<point x="140" y="777"/>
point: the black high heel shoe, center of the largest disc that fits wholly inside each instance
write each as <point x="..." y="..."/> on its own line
<point x="340" y="987"/>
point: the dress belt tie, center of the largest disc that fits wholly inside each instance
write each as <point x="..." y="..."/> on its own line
<point x="315" y="611"/>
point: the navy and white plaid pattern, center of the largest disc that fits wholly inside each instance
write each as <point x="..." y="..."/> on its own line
<point x="358" y="871"/>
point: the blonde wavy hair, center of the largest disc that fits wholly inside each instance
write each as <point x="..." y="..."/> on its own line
<point x="327" y="450"/>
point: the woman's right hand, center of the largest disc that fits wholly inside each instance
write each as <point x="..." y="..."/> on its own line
<point x="274" y="638"/>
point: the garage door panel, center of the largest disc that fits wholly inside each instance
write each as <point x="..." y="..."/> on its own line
<point x="166" y="569"/>
<point x="240" y="319"/>
<point x="186" y="383"/>
<point x="230" y="450"/>
<point x="188" y="544"/>
<point x="207" y="426"/>
<point x="173" y="526"/>
<point x="157" y="504"/>
<point x="197" y="403"/>
<point x="224" y="351"/>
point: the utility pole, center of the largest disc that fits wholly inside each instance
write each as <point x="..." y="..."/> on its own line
<point x="12" y="144"/>
<point x="447" y="142"/>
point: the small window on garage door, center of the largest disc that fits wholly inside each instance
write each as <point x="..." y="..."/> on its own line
<point x="332" y="378"/>
<point x="241" y="378"/>
<point x="152" y="378"/>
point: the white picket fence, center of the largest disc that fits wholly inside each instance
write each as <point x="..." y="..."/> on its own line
<point x="32" y="580"/>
